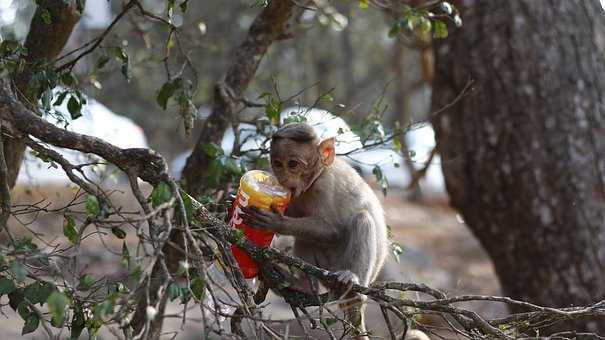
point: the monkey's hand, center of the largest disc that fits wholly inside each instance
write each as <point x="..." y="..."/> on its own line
<point x="261" y="219"/>
<point x="345" y="280"/>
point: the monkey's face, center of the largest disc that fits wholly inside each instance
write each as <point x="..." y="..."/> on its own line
<point x="295" y="164"/>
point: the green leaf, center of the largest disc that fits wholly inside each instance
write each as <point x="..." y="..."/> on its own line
<point x="326" y="98"/>
<point x="188" y="207"/>
<point x="15" y="298"/>
<point x="137" y="272"/>
<point x="160" y="194"/>
<point x="331" y="321"/>
<point x="18" y="271"/>
<point x="260" y="3"/>
<point x="273" y="109"/>
<point x="102" y="61"/>
<point x="121" y="56"/>
<point x="77" y="323"/>
<point x="395" y="29"/>
<point x="38" y="292"/>
<point x="31" y="324"/>
<point x="57" y="302"/>
<point x="119" y="233"/>
<point x="23" y="310"/>
<point x="46" y="17"/>
<point x="262" y="163"/>
<point x="74" y="106"/>
<point x="185" y="295"/>
<point x="424" y="24"/>
<point x="168" y="90"/>
<point x="25" y="244"/>
<point x="183" y="6"/>
<point x="93" y="208"/>
<point x="169" y="6"/>
<point x="174" y="291"/>
<point x="69" y="229"/>
<point x="125" y="252"/>
<point x="377" y="171"/>
<point x="215" y="173"/>
<point x="232" y="167"/>
<point x="87" y="281"/>
<point x="264" y="95"/>
<point x="439" y="29"/>
<point x="46" y="98"/>
<point x="68" y="79"/>
<point x="397" y="144"/>
<point x="102" y="309"/>
<point x="239" y="234"/>
<point x="396" y="250"/>
<point x="125" y="256"/>
<point x="212" y="150"/>
<point x="364" y="4"/>
<point x="197" y="288"/>
<point x="384" y="185"/>
<point x="7" y="286"/>
<point x="61" y="98"/>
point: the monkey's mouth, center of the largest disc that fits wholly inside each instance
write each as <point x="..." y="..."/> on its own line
<point x="293" y="191"/>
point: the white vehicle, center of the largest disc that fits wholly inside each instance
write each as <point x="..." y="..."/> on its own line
<point x="97" y="120"/>
<point x="420" y="142"/>
<point x="325" y="124"/>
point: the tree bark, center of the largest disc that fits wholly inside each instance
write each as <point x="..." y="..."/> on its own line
<point x="524" y="154"/>
<point x="44" y="42"/>
<point x="269" y="26"/>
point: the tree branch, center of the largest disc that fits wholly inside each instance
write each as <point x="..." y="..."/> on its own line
<point x="270" y="25"/>
<point x="96" y="41"/>
<point x="44" y="42"/>
<point x="5" y="196"/>
<point x="146" y="163"/>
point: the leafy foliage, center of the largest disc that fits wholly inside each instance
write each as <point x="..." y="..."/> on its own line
<point x="425" y="23"/>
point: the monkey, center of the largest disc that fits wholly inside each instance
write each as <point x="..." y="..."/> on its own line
<point x="415" y="334"/>
<point x="334" y="216"/>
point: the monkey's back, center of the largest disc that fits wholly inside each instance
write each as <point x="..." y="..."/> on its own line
<point x="340" y="197"/>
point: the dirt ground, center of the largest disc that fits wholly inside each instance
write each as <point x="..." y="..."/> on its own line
<point x="438" y="251"/>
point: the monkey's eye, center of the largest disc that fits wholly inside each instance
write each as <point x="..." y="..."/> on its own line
<point x="292" y="164"/>
<point x="277" y="164"/>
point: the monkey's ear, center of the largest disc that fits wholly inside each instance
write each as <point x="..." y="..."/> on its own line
<point x="327" y="151"/>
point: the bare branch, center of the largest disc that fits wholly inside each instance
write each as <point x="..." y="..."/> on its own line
<point x="5" y="196"/>
<point x="95" y="42"/>
<point x="146" y="163"/>
<point x="270" y="25"/>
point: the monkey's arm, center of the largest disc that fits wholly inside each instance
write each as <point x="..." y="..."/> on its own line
<point x="309" y="229"/>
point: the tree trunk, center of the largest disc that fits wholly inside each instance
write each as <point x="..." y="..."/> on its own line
<point x="44" y="43"/>
<point x="524" y="153"/>
<point x="270" y="25"/>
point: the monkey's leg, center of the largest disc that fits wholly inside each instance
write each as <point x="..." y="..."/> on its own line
<point x="354" y="310"/>
<point x="362" y="253"/>
<point x="362" y="250"/>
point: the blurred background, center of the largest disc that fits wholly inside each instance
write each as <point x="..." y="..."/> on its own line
<point x="343" y="62"/>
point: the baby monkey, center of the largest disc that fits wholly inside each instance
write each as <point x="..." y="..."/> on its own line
<point x="334" y="216"/>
